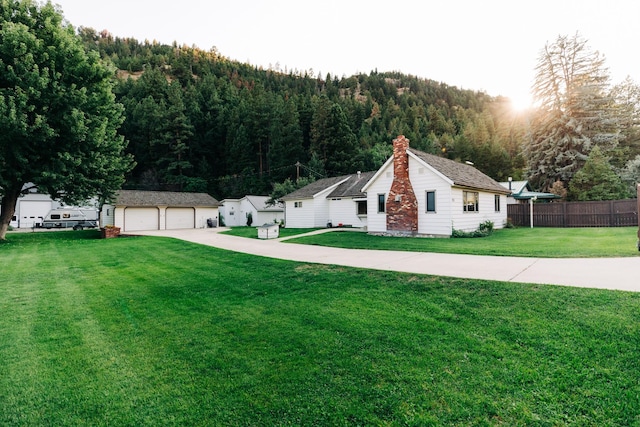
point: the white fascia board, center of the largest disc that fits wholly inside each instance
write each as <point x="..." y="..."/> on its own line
<point x="377" y="174"/>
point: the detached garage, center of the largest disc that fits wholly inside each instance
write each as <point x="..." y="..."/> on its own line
<point x="136" y="210"/>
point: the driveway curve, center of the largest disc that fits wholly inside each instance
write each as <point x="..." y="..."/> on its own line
<point x="602" y="273"/>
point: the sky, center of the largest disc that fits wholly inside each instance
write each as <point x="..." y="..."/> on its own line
<point x="489" y="45"/>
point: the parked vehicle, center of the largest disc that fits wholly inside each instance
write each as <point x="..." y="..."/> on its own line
<point x="70" y="218"/>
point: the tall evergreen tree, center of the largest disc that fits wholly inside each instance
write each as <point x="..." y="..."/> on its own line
<point x="176" y="134"/>
<point x="596" y="180"/>
<point x="575" y="112"/>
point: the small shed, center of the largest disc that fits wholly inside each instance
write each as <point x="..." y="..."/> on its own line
<point x="268" y="231"/>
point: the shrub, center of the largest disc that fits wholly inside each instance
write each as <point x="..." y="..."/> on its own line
<point x="484" y="229"/>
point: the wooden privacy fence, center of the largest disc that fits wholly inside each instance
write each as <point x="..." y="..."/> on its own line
<point x="609" y="213"/>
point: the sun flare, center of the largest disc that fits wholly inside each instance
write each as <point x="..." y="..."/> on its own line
<point x="520" y="102"/>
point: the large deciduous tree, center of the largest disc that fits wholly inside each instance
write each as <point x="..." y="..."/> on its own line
<point x="58" y="116"/>
<point x="575" y="111"/>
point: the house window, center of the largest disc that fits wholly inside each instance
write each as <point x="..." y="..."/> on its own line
<point x="470" y="201"/>
<point x="381" y="204"/>
<point x="361" y="207"/>
<point x="297" y="204"/>
<point x="431" y="201"/>
<point x="496" y="202"/>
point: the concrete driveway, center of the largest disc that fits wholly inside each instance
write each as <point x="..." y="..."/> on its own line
<point x="603" y="273"/>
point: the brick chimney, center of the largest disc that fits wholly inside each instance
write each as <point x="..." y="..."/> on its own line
<point x="402" y="205"/>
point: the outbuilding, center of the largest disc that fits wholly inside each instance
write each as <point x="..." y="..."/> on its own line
<point x="135" y="210"/>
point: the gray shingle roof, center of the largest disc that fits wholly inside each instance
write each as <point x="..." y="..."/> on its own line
<point x="352" y="187"/>
<point x="164" y="198"/>
<point x="461" y="174"/>
<point x="315" y="187"/>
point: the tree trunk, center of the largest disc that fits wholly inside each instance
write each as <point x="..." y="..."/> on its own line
<point x="9" y="201"/>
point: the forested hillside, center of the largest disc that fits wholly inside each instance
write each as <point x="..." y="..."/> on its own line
<point x="197" y="121"/>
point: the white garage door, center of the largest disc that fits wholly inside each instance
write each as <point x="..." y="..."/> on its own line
<point x="139" y="219"/>
<point x="31" y="213"/>
<point x="178" y="218"/>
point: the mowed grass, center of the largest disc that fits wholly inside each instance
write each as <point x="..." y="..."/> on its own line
<point x="252" y="232"/>
<point x="526" y="242"/>
<point x="151" y="331"/>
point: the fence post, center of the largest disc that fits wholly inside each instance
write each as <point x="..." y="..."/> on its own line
<point x="612" y="214"/>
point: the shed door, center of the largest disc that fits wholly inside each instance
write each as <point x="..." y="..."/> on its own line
<point x="139" y="219"/>
<point x="178" y="218"/>
<point x="32" y="212"/>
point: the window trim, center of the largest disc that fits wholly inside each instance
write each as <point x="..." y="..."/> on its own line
<point x="426" y="208"/>
<point x="382" y="202"/>
<point x="496" y="202"/>
<point x="360" y="203"/>
<point x="475" y="201"/>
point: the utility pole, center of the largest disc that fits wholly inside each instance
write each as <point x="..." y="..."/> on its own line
<point x="298" y="171"/>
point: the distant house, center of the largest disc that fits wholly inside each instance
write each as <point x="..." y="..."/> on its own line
<point x="236" y="211"/>
<point x="413" y="193"/>
<point x="135" y="210"/>
<point x="329" y="202"/>
<point x="521" y="192"/>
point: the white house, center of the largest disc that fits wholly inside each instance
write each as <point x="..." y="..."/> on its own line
<point x="335" y="202"/>
<point x="135" y="210"/>
<point x="236" y="211"/>
<point x="521" y="192"/>
<point x="413" y="193"/>
<point x="417" y="193"/>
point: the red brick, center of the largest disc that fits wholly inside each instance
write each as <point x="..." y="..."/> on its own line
<point x="402" y="205"/>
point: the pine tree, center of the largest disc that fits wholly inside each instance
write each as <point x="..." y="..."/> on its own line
<point x="575" y="112"/>
<point x="596" y="180"/>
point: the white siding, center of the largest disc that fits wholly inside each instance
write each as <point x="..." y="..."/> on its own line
<point x="377" y="222"/>
<point x="203" y="214"/>
<point x="231" y="212"/>
<point x="235" y="213"/>
<point x="423" y="179"/>
<point x="301" y="217"/>
<point x="469" y="221"/>
<point x="107" y="216"/>
<point x="344" y="211"/>
<point x="321" y="209"/>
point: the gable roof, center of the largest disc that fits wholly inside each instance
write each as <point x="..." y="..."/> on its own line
<point x="260" y="203"/>
<point x="461" y="174"/>
<point x="352" y="186"/>
<point x="521" y="190"/>
<point x="308" y="191"/>
<point x="517" y="186"/>
<point x="163" y="198"/>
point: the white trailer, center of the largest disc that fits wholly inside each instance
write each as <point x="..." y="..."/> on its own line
<point x="70" y="218"/>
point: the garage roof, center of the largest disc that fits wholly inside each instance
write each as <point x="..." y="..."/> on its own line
<point x="164" y="198"/>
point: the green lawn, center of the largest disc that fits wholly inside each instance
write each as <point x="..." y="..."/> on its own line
<point x="252" y="232"/>
<point x="527" y="242"/>
<point x="150" y="331"/>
